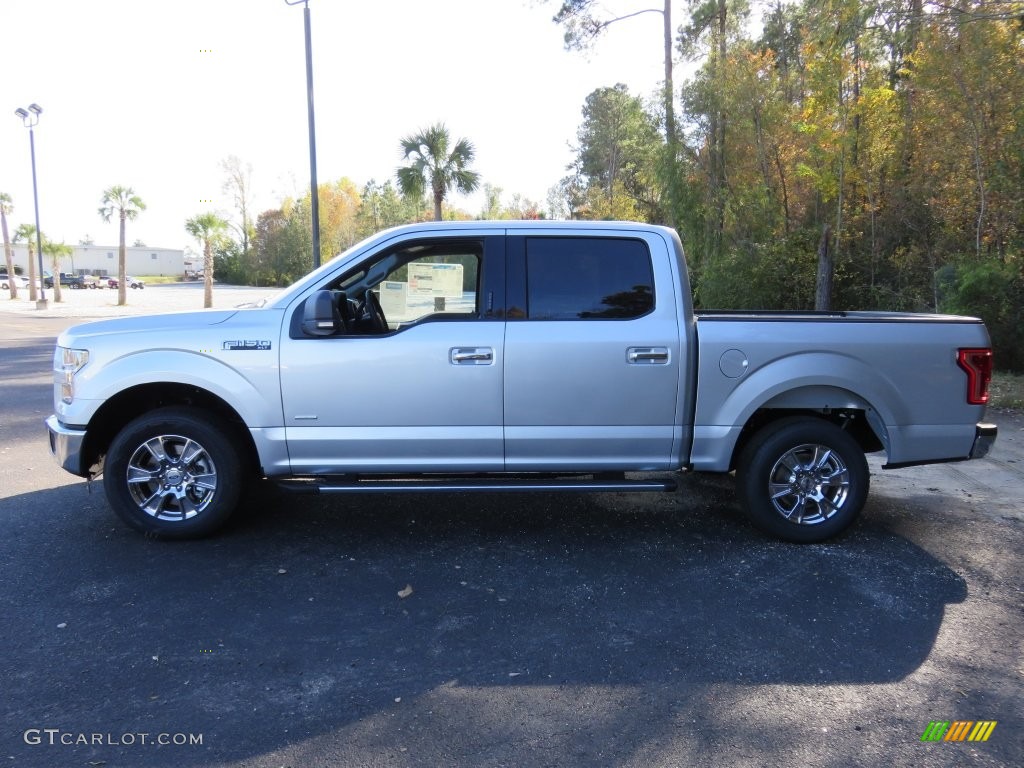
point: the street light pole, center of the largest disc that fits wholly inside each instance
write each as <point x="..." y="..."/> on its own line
<point x="314" y="194"/>
<point x="30" y="119"/>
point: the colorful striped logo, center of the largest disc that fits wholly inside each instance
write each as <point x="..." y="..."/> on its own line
<point x="958" y="730"/>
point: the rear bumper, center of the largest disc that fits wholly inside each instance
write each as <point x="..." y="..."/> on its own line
<point x="984" y="438"/>
<point x="66" y="446"/>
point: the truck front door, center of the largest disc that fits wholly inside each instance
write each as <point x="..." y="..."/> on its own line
<point x="412" y="382"/>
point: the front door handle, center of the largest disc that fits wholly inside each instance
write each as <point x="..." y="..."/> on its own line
<point x="471" y="356"/>
<point x="647" y="355"/>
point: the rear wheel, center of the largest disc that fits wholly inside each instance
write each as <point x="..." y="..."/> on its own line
<point x="173" y="473"/>
<point x="802" y="479"/>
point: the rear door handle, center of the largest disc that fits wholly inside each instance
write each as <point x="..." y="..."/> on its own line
<point x="471" y="356"/>
<point x="647" y="355"/>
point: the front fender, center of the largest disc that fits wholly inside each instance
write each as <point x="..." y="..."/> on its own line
<point x="250" y="386"/>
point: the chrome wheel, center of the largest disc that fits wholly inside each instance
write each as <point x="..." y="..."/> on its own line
<point x="171" y="477"/>
<point x="809" y="484"/>
<point x="802" y="478"/>
<point x="175" y="472"/>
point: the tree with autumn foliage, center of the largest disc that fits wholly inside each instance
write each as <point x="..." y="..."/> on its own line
<point x="852" y="155"/>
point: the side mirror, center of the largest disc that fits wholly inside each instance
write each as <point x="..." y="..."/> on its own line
<point x="319" y="315"/>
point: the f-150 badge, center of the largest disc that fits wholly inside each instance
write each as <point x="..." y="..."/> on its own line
<point x="245" y="346"/>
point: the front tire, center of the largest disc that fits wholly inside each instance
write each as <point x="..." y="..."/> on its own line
<point x="802" y="479"/>
<point x="173" y="473"/>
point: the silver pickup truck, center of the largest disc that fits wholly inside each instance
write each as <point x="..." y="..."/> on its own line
<point x="511" y="356"/>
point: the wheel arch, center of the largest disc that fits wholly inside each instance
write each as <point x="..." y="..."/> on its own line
<point x="119" y="410"/>
<point x="837" y="405"/>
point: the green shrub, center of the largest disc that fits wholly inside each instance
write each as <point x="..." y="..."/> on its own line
<point x="993" y="291"/>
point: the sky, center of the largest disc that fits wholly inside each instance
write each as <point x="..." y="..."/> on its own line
<point x="154" y="94"/>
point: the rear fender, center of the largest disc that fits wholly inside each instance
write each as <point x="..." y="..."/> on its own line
<point x="807" y="381"/>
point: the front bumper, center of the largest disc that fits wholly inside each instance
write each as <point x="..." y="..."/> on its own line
<point x="66" y="446"/>
<point x="984" y="438"/>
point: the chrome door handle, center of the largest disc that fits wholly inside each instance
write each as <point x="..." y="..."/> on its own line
<point x="647" y="355"/>
<point x="471" y="356"/>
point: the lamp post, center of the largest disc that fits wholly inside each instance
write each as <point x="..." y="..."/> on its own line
<point x="30" y="118"/>
<point x="314" y="196"/>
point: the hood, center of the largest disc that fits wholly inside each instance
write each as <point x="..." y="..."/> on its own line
<point x="79" y="335"/>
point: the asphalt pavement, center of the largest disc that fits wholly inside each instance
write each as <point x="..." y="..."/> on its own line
<point x="488" y="630"/>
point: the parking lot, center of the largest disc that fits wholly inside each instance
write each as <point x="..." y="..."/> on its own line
<point x="91" y="304"/>
<point x="488" y="630"/>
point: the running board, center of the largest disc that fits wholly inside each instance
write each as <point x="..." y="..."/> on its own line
<point x="486" y="485"/>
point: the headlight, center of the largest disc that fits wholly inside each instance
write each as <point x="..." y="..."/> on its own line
<point x="68" y="363"/>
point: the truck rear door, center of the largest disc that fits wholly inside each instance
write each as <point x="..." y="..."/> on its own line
<point x="592" y="353"/>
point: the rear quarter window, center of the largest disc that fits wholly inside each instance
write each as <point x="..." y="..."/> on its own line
<point x="584" y="278"/>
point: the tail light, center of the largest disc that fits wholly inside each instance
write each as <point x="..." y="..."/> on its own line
<point x="977" y="364"/>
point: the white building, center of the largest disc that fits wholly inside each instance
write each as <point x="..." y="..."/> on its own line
<point x="101" y="260"/>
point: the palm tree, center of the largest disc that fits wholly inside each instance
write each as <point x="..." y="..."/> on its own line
<point x="56" y="252"/>
<point x="433" y="166"/>
<point x="27" y="233"/>
<point x="127" y="204"/>
<point x="208" y="229"/>
<point x="6" y="206"/>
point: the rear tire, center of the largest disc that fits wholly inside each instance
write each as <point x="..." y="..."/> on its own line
<point x="802" y="479"/>
<point x="174" y="474"/>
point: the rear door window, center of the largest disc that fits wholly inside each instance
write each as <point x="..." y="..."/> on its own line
<point x="581" y="278"/>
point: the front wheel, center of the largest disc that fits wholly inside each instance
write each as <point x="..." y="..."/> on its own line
<point x="173" y="474"/>
<point x="802" y="479"/>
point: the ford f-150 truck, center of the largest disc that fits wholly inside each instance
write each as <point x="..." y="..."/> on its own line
<point x="541" y="356"/>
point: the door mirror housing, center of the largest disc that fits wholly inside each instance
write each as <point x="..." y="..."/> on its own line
<point x="320" y="317"/>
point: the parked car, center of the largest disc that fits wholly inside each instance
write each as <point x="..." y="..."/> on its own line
<point x="18" y="280"/>
<point x="67" y="280"/>
<point x="131" y="282"/>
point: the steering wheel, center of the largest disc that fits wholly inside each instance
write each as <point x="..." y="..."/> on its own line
<point x="373" y="313"/>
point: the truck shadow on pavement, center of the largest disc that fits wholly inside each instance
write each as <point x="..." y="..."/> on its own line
<point x="313" y="617"/>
